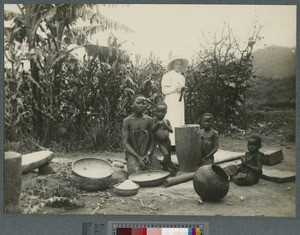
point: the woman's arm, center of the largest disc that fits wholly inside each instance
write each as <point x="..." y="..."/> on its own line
<point x="151" y="139"/>
<point x="167" y="87"/>
<point x="125" y="135"/>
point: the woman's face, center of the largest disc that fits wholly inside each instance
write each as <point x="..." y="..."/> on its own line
<point x="177" y="65"/>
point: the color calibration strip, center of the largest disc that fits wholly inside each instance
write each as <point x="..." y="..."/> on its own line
<point x="157" y="229"/>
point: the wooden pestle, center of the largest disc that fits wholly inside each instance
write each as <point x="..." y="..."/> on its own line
<point x="179" y="179"/>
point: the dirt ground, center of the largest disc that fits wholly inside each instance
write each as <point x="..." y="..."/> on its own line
<point x="56" y="193"/>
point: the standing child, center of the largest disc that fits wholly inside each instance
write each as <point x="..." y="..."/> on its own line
<point x="249" y="172"/>
<point x="138" y="138"/>
<point x="209" y="140"/>
<point x="161" y="129"/>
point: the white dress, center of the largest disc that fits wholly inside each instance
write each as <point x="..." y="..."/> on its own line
<point x="171" y="84"/>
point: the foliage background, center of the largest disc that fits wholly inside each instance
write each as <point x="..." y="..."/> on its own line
<point x="63" y="103"/>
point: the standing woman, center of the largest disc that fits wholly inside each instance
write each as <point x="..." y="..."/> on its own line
<point x="173" y="87"/>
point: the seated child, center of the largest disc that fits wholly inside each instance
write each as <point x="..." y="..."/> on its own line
<point x="138" y="138"/>
<point x="249" y="172"/>
<point x="209" y="140"/>
<point x="161" y="129"/>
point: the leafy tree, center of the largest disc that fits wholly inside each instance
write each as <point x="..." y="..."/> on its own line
<point x="46" y="56"/>
<point x="217" y="78"/>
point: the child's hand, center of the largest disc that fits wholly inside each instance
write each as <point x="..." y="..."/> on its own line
<point x="146" y="159"/>
<point x="141" y="161"/>
<point x="161" y="122"/>
<point x="164" y="124"/>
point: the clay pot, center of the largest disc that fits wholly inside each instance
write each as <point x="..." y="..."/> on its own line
<point x="187" y="147"/>
<point x="211" y="183"/>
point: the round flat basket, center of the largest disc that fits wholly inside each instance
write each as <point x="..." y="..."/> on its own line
<point x="92" y="168"/>
<point x="149" y="178"/>
<point x="92" y="173"/>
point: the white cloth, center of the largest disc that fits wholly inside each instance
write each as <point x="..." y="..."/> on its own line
<point x="171" y="84"/>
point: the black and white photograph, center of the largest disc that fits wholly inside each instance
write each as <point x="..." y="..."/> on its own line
<point x="150" y="109"/>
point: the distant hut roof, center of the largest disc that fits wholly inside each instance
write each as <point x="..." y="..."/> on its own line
<point x="106" y="53"/>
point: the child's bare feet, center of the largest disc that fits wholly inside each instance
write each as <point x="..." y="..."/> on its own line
<point x="171" y="168"/>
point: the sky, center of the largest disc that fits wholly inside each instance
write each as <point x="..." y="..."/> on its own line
<point x="180" y="28"/>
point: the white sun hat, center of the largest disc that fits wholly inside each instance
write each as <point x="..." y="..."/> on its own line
<point x="174" y="58"/>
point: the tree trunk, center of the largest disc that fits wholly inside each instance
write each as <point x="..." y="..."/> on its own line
<point x="12" y="182"/>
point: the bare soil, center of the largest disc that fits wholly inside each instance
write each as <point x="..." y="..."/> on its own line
<point x="57" y="194"/>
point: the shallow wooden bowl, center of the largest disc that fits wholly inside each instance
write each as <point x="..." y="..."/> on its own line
<point x="149" y="178"/>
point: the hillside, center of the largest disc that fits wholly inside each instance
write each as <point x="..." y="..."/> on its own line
<point x="275" y="62"/>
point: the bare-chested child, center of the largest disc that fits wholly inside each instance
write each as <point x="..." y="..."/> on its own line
<point x="250" y="170"/>
<point x="209" y="140"/>
<point x="138" y="138"/>
<point x="161" y="129"/>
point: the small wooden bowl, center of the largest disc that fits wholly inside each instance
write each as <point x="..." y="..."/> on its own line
<point x="126" y="192"/>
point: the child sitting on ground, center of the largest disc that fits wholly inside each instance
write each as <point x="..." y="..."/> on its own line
<point x="161" y="129"/>
<point x="138" y="138"/>
<point x="249" y="172"/>
<point x="209" y="140"/>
